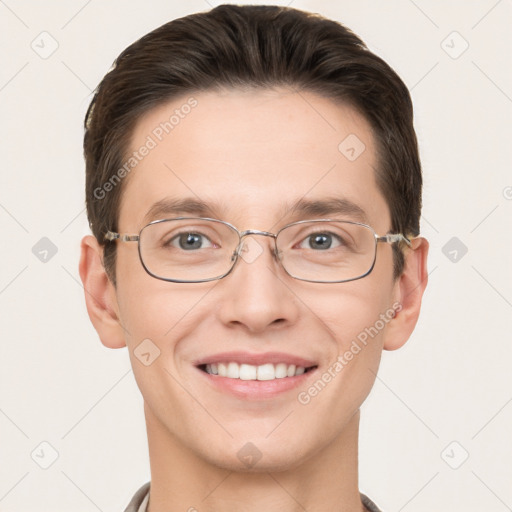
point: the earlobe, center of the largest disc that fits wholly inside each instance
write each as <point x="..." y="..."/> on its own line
<point x="409" y="292"/>
<point x="100" y="294"/>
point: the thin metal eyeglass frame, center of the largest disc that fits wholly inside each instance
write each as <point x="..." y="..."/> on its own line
<point x="389" y="238"/>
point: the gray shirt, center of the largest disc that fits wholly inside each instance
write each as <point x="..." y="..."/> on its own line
<point x="140" y="500"/>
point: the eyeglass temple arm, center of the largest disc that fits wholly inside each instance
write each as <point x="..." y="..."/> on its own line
<point x="392" y="238"/>
<point x="111" y="236"/>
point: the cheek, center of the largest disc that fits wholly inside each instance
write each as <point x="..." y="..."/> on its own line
<point x="355" y="324"/>
<point x="158" y="310"/>
<point x="355" y="317"/>
<point x="349" y="309"/>
<point x="146" y="305"/>
<point x="155" y="316"/>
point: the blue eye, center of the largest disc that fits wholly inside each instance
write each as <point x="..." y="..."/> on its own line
<point x="190" y="241"/>
<point x="320" y="241"/>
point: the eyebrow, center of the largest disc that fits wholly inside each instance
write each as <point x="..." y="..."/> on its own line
<point x="328" y="207"/>
<point x="181" y="206"/>
<point x="300" y="209"/>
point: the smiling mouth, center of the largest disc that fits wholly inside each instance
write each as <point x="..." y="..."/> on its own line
<point x="268" y="371"/>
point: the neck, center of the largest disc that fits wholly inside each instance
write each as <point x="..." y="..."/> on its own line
<point x="183" y="480"/>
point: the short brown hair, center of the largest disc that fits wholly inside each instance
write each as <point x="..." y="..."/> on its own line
<point x="251" y="46"/>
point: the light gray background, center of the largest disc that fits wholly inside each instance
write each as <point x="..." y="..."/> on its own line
<point x="450" y="382"/>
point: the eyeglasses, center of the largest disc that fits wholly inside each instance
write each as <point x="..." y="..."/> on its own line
<point x="199" y="249"/>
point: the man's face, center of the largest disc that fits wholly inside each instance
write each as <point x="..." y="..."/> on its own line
<point x="252" y="154"/>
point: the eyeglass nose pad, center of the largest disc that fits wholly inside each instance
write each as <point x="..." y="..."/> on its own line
<point x="237" y="251"/>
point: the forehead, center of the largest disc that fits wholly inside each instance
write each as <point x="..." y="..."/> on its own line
<point x="254" y="158"/>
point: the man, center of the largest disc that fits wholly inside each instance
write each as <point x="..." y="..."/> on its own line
<point x="254" y="191"/>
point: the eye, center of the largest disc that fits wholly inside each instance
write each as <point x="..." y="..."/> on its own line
<point x="188" y="241"/>
<point x="321" y="241"/>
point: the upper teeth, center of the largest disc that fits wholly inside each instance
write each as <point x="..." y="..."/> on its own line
<point x="267" y="371"/>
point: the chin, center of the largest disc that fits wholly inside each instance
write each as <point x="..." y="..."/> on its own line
<point x="257" y="457"/>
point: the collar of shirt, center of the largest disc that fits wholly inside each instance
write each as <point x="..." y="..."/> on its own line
<point x="139" y="502"/>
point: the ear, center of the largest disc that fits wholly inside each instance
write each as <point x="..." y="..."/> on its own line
<point x="409" y="288"/>
<point x="100" y="294"/>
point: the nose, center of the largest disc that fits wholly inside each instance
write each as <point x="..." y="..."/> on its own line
<point x="256" y="295"/>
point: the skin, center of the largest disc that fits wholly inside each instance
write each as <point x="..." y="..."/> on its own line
<point x="252" y="152"/>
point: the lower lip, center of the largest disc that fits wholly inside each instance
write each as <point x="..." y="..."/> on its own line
<point x="257" y="389"/>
